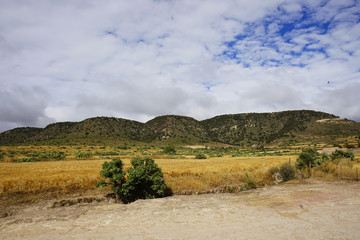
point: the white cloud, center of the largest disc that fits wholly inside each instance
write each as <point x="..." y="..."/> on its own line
<point x="140" y="59"/>
<point x="341" y="100"/>
<point x="23" y="106"/>
<point x="292" y="7"/>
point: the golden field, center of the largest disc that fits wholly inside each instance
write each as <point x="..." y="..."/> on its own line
<point x="183" y="173"/>
<point x="186" y="174"/>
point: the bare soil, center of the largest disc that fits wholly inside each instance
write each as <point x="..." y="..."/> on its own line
<point x="310" y="209"/>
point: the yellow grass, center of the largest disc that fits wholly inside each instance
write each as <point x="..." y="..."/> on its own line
<point x="345" y="170"/>
<point x="180" y="174"/>
<point x="48" y="176"/>
<point x="203" y="175"/>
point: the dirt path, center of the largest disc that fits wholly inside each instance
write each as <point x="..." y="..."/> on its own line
<point x="315" y="210"/>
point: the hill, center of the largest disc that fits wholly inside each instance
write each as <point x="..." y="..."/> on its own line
<point x="237" y="129"/>
<point x="174" y="128"/>
<point x="263" y="127"/>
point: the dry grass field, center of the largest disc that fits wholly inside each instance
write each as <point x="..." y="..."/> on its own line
<point x="180" y="174"/>
<point x="183" y="173"/>
<point x="202" y="175"/>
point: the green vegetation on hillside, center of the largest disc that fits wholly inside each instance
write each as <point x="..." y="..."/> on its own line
<point x="247" y="130"/>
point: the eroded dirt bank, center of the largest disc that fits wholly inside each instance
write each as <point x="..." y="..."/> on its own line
<point x="312" y="210"/>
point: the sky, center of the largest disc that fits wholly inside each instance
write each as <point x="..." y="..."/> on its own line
<point x="75" y="59"/>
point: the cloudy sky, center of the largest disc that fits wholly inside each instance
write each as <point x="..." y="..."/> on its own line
<point x="75" y="59"/>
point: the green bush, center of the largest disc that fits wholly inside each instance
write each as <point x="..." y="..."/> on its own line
<point x="124" y="147"/>
<point x="113" y="175"/>
<point x="144" y="179"/>
<point x="11" y="154"/>
<point x="200" y="156"/>
<point x="287" y="171"/>
<point x="220" y="155"/>
<point x="111" y="153"/>
<point x="83" y="154"/>
<point x="249" y="183"/>
<point x="27" y="160"/>
<point x="46" y="155"/>
<point x="169" y="150"/>
<point x="306" y="157"/>
<point x="310" y="155"/>
<point x="338" y="154"/>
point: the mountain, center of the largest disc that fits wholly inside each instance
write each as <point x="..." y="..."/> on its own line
<point x="261" y="127"/>
<point x="19" y="135"/>
<point x="170" y="127"/>
<point x="238" y="129"/>
<point x="97" y="129"/>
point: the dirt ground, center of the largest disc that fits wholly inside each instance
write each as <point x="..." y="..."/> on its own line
<point x="309" y="210"/>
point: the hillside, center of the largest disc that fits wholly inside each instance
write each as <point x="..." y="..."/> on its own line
<point x="171" y="127"/>
<point x="261" y="127"/>
<point x="237" y="129"/>
<point x="19" y="135"/>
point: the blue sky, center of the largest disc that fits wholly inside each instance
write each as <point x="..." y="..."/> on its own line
<point x="71" y="60"/>
<point x="290" y="35"/>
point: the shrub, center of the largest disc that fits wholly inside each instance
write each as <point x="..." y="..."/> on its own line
<point x="27" y="160"/>
<point x="83" y="154"/>
<point x="310" y="155"/>
<point x="124" y="147"/>
<point x="200" y="156"/>
<point x="170" y="150"/>
<point x="11" y="154"/>
<point x="272" y="172"/>
<point x="287" y="171"/>
<point x="306" y="157"/>
<point x="338" y="154"/>
<point x="144" y="179"/>
<point x="106" y="153"/>
<point x="46" y="155"/>
<point x="221" y="154"/>
<point x="250" y="184"/>
<point x="113" y="175"/>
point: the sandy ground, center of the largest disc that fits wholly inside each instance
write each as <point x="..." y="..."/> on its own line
<point x="311" y="210"/>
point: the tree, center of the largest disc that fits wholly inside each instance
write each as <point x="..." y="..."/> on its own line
<point x="144" y="179"/>
<point x="310" y="155"/>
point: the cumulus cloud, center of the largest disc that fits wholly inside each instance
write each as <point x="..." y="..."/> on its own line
<point x="342" y="101"/>
<point x="23" y="106"/>
<point x="139" y="59"/>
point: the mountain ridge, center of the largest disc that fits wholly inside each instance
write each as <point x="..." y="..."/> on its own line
<point x="237" y="129"/>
